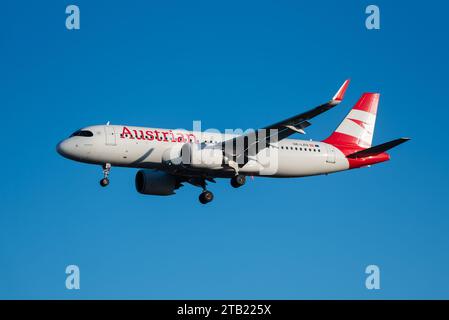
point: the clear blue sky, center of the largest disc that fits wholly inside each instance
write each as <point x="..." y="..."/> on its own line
<point x="230" y="64"/>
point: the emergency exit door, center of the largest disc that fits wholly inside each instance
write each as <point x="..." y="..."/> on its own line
<point x="330" y="154"/>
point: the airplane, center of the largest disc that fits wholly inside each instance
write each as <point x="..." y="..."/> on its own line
<point x="168" y="158"/>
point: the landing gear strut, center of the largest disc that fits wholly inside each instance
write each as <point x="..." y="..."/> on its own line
<point x="106" y="169"/>
<point x="238" y="181"/>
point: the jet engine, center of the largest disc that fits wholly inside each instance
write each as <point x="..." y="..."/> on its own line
<point x="156" y="183"/>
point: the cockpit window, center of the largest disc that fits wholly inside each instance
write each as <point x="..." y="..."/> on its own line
<point x="82" y="133"/>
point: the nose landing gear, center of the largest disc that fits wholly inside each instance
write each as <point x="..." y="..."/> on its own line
<point x="106" y="169"/>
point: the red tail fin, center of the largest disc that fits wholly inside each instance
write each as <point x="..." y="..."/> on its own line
<point x="357" y="128"/>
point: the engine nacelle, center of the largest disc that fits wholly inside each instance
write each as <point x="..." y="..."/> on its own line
<point x="156" y="183"/>
<point x="197" y="156"/>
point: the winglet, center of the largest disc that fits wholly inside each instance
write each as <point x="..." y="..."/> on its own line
<point x="341" y="92"/>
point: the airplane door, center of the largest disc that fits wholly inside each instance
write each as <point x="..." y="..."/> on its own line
<point x="330" y="154"/>
<point x="110" y="136"/>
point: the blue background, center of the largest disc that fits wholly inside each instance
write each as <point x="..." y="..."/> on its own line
<point x="230" y="64"/>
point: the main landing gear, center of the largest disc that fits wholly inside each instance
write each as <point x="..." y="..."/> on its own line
<point x="238" y="181"/>
<point x="106" y="169"/>
<point x="206" y="197"/>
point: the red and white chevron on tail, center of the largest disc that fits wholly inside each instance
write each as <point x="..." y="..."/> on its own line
<point x="357" y="128"/>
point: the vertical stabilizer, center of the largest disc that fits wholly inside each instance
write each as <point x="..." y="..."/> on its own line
<point x="357" y="128"/>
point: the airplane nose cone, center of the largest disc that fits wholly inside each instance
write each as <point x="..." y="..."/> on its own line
<point x="62" y="148"/>
<point x="68" y="149"/>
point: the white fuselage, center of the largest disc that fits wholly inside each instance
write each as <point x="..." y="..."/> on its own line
<point x="147" y="148"/>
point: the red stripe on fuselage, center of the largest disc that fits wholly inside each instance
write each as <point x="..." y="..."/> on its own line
<point x="366" y="161"/>
<point x="338" y="139"/>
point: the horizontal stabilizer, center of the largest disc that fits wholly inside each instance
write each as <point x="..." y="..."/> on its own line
<point x="377" y="149"/>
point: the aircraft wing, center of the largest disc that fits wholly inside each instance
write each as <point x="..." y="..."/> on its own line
<point x="251" y="143"/>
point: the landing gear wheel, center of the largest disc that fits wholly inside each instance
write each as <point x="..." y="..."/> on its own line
<point x="206" y="197"/>
<point x="106" y="169"/>
<point x="104" y="182"/>
<point x="238" y="181"/>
